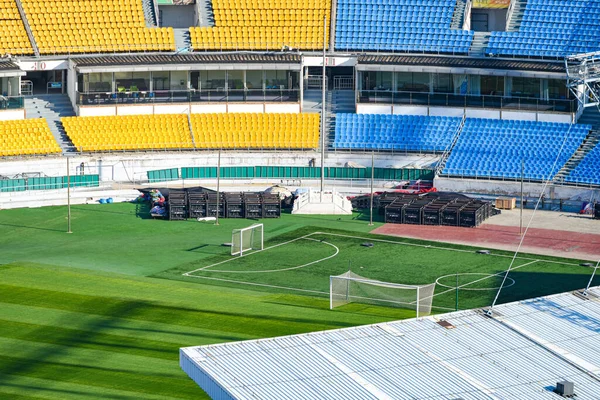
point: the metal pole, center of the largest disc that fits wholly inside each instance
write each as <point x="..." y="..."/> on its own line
<point x="68" y="197"/>
<point x="456" y="302"/>
<point x="372" y="194"/>
<point x="521" y="212"/>
<point x="323" y="116"/>
<point x="585" y="292"/>
<point x="218" y="186"/>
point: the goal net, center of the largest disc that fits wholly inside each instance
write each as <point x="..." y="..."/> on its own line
<point x="245" y="239"/>
<point x="353" y="288"/>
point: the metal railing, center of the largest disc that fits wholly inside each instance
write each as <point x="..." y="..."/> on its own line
<point x="11" y="102"/>
<point x="189" y="96"/>
<point x="467" y="101"/>
<point x="446" y="154"/>
<point x="343" y="82"/>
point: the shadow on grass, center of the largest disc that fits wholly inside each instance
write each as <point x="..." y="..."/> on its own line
<point x="35" y="227"/>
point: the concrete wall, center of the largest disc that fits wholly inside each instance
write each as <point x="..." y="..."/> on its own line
<point x="133" y="167"/>
<point x="184" y="108"/>
<point x="6" y="115"/>
<point x="514" y="188"/>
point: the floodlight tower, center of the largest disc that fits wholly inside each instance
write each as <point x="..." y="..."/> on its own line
<point x="583" y="78"/>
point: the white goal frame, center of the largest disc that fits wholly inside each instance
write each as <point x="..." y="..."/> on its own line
<point x="350" y="277"/>
<point x="246" y="239"/>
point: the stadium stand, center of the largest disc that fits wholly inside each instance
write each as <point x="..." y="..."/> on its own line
<point x="394" y="132"/>
<point x="495" y="148"/>
<point x="12" y="31"/>
<point x="264" y="25"/>
<point x="26" y="137"/>
<point x="588" y="170"/>
<point x="84" y="26"/>
<point x="399" y="25"/>
<point x="246" y="130"/>
<point x="129" y="132"/>
<point x="552" y="28"/>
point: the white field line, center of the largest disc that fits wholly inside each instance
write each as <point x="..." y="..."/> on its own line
<point x="337" y="250"/>
<point x="246" y="254"/>
<point x="481" y="279"/>
<point x="438" y="247"/>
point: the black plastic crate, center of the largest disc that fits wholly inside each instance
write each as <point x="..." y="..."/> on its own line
<point x="597" y="211"/>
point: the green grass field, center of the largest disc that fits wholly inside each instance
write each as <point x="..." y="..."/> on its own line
<point x="102" y="312"/>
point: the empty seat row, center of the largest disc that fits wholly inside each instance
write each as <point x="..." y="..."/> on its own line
<point x="394" y="132"/>
<point x="588" y="170"/>
<point x="27" y="137"/>
<point x="496" y="148"/>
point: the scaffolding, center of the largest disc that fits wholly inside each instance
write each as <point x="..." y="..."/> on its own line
<point x="583" y="78"/>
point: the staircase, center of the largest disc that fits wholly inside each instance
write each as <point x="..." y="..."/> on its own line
<point x="34" y="45"/>
<point x="52" y="107"/>
<point x="442" y="162"/>
<point x="590" y="116"/>
<point x="517" y="15"/>
<point x="479" y="44"/>
<point x="458" y="18"/>
<point x="338" y="101"/>
<point x="206" y="15"/>
<point x="183" y="41"/>
<point x="149" y="13"/>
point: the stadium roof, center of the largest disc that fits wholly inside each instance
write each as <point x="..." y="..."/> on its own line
<point x="520" y="353"/>
<point x="190" y="58"/>
<point x="463" y="62"/>
<point x="9" y="68"/>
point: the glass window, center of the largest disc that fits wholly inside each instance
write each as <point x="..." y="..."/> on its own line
<point x="160" y="80"/>
<point x="97" y="82"/>
<point x="254" y="80"/>
<point x="132" y="81"/>
<point x="442" y="83"/>
<point x="212" y="80"/>
<point x="376" y="80"/>
<point x="412" y="81"/>
<point x="525" y="87"/>
<point x="557" y="89"/>
<point x="276" y="79"/>
<point x="492" y="85"/>
<point x="235" y="80"/>
<point x="179" y="80"/>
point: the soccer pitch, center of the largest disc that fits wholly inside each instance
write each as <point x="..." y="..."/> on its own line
<point x="102" y="312"/>
<point x="302" y="261"/>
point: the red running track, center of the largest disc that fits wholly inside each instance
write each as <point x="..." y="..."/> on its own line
<point x="551" y="242"/>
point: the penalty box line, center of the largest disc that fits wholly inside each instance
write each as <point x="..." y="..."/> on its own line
<point x="189" y="273"/>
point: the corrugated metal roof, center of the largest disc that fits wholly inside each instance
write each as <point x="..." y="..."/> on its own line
<point x="192" y="58"/>
<point x="6" y="65"/>
<point x="463" y="62"/>
<point x="520" y="353"/>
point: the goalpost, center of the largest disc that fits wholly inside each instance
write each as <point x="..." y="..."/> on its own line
<point x="353" y="288"/>
<point x="245" y="239"/>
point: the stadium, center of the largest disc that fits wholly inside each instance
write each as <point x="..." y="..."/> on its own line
<point x="300" y="199"/>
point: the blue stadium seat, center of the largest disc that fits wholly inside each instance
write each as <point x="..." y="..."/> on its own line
<point x="399" y="25"/>
<point x="588" y="170"/>
<point x="495" y="148"/>
<point x="394" y="132"/>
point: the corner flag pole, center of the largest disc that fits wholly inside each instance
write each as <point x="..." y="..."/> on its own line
<point x="218" y="186"/>
<point x="68" y="197"/>
<point x="372" y="194"/>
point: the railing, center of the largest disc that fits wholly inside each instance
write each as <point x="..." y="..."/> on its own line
<point x="11" y="102"/>
<point x="494" y="175"/>
<point x="389" y="148"/>
<point x="26" y="88"/>
<point x="446" y="154"/>
<point x="343" y="82"/>
<point x="189" y="96"/>
<point x="315" y="82"/>
<point x="467" y="101"/>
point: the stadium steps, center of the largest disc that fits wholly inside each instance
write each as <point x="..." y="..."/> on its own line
<point x="34" y="45"/>
<point x="444" y="158"/>
<point x="591" y="116"/>
<point x="311" y="101"/>
<point x="479" y="44"/>
<point x="52" y="107"/>
<point x="183" y="41"/>
<point x="149" y="13"/>
<point x="517" y="15"/>
<point x="189" y="119"/>
<point x="458" y="18"/>
<point x="206" y="14"/>
<point x="338" y="101"/>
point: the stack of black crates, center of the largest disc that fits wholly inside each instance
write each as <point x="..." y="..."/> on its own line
<point x="597" y="210"/>
<point x="177" y="205"/>
<point x="191" y="204"/>
<point x="434" y="209"/>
